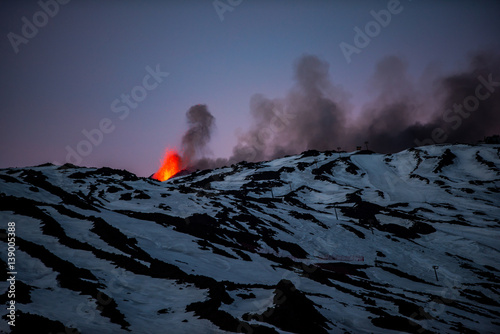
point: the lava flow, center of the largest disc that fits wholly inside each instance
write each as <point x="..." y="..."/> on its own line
<point x="171" y="165"/>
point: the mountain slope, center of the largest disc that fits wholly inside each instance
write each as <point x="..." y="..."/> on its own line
<point x="320" y="242"/>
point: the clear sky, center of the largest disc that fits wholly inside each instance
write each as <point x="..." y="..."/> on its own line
<point x="64" y="67"/>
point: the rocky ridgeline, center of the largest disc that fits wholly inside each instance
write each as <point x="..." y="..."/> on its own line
<point x="322" y="242"/>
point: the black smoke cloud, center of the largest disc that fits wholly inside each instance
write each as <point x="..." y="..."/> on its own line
<point x="194" y="142"/>
<point x="316" y="114"/>
<point x="312" y="116"/>
<point x="461" y="108"/>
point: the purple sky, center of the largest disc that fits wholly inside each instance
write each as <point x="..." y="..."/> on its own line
<point x="64" y="79"/>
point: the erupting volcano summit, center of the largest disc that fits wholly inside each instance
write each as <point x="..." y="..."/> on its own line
<point x="171" y="165"/>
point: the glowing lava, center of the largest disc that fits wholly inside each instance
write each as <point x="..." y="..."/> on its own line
<point x="171" y="165"/>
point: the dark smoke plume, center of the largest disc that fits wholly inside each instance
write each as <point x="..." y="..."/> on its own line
<point x="462" y="107"/>
<point x="303" y="120"/>
<point x="194" y="142"/>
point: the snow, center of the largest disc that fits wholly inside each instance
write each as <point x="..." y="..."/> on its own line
<point x="360" y="261"/>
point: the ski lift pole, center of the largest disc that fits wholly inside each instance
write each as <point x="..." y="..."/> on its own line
<point x="435" y="272"/>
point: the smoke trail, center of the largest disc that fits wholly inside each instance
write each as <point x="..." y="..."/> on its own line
<point x="471" y="106"/>
<point x="201" y="124"/>
<point x="454" y="111"/>
<point x="303" y="120"/>
<point x="462" y="107"/>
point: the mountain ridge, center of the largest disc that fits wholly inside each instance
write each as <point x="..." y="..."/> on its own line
<point x="321" y="241"/>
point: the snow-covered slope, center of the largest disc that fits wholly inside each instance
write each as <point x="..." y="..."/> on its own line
<point x="321" y="242"/>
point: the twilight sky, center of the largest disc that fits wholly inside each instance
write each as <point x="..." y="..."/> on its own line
<point x="74" y="74"/>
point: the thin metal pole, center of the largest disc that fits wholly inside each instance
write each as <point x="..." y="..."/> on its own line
<point x="435" y="272"/>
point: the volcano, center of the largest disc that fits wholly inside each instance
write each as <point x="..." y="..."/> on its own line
<point x="170" y="166"/>
<point x="319" y="242"/>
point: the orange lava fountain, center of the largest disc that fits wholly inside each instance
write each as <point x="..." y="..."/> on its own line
<point x="171" y="165"/>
